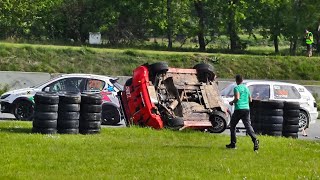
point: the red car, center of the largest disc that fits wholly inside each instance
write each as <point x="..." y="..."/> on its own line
<point x="159" y="96"/>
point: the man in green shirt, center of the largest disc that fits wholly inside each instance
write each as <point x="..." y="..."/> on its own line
<point x="241" y="100"/>
<point x="309" y="42"/>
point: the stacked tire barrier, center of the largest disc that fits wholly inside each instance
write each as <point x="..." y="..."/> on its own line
<point x="268" y="118"/>
<point x="291" y="119"/>
<point x="46" y="113"/>
<point x="69" y="113"/>
<point x="90" y="114"/>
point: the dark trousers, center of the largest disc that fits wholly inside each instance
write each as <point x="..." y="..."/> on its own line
<point x="244" y="115"/>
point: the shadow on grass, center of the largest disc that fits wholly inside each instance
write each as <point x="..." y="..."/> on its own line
<point x="17" y="130"/>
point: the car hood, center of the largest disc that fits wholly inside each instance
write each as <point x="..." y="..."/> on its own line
<point x="23" y="91"/>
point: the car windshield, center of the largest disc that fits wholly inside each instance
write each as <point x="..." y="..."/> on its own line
<point x="116" y="84"/>
<point x="228" y="91"/>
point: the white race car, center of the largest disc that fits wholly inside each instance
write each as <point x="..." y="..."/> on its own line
<point x="20" y="102"/>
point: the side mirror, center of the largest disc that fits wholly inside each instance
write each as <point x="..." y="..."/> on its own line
<point x="47" y="89"/>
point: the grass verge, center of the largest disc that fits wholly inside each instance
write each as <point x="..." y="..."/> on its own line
<point x="68" y="59"/>
<point x="143" y="153"/>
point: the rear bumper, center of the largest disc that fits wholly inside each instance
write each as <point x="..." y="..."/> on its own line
<point x="5" y="107"/>
<point x="313" y="117"/>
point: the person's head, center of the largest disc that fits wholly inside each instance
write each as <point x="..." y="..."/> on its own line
<point x="239" y="79"/>
<point x="306" y="31"/>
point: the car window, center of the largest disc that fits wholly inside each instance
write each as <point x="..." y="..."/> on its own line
<point x="67" y="84"/>
<point x="260" y="91"/>
<point x="228" y="91"/>
<point x="285" y="92"/>
<point x="95" y="85"/>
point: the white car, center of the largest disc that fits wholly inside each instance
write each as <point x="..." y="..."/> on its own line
<point x="20" y="102"/>
<point x="281" y="91"/>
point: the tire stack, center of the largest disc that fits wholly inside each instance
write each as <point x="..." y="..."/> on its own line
<point x="46" y="113"/>
<point x="254" y="116"/>
<point x="270" y="118"/>
<point x="90" y="114"/>
<point x="69" y="113"/>
<point x="291" y="119"/>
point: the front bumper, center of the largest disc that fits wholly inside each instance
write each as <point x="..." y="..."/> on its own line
<point x="5" y="107"/>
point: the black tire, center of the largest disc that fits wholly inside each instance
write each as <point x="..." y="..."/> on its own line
<point x="91" y="98"/>
<point x="291" y="105"/>
<point x="128" y="82"/>
<point x="175" y="123"/>
<point x="291" y="128"/>
<point x="291" y="113"/>
<point x="271" y="119"/>
<point x="291" y="121"/>
<point x="23" y="110"/>
<point x="272" y="133"/>
<point x="45" y="115"/>
<point x="69" y="98"/>
<point x="68" y="124"/>
<point x="89" y="131"/>
<point x="158" y="68"/>
<point x="91" y="108"/>
<point x="271" y="112"/>
<point x="218" y="121"/>
<point x="69" y="115"/>
<point x="271" y="127"/>
<point x="290" y="135"/>
<point x="68" y="131"/>
<point x="44" y="130"/>
<point x="90" y="125"/>
<point x="257" y="127"/>
<point x="45" y="124"/>
<point x="205" y="72"/>
<point x="46" y="98"/>
<point x="255" y="104"/>
<point x="271" y="105"/>
<point x="90" y="117"/>
<point x="110" y="114"/>
<point x="46" y="107"/>
<point x="69" y="107"/>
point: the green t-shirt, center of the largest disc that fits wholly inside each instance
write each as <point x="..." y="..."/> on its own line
<point x="243" y="102"/>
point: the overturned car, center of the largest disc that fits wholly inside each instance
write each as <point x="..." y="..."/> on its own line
<point x="159" y="96"/>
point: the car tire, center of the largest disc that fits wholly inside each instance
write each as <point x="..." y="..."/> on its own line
<point x="46" y="107"/>
<point x="290" y="135"/>
<point x="303" y="120"/>
<point x="89" y="131"/>
<point x="69" y="107"/>
<point x="44" y="130"/>
<point x="68" y="131"/>
<point x="69" y="98"/>
<point x="291" y="128"/>
<point x="91" y="99"/>
<point x="68" y="124"/>
<point x="175" y="123"/>
<point x="45" y="124"/>
<point x="91" y="108"/>
<point x="90" y="116"/>
<point x="272" y="133"/>
<point x="218" y="121"/>
<point x="90" y="125"/>
<point x="45" y="115"/>
<point x="267" y="105"/>
<point x="291" y="121"/>
<point x="69" y="115"/>
<point x="291" y="113"/>
<point x="271" y="127"/>
<point x="205" y="72"/>
<point x="46" y="98"/>
<point x="271" y="119"/>
<point x="291" y="105"/>
<point x="128" y="82"/>
<point x="110" y="114"/>
<point x="272" y="112"/>
<point x="158" y="68"/>
<point x="23" y="110"/>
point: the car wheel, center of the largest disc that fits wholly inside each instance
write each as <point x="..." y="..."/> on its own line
<point x="159" y="67"/>
<point x="128" y="82"/>
<point x="303" y="120"/>
<point x="110" y="114"/>
<point x="23" y="110"/>
<point x="204" y="72"/>
<point x="218" y="121"/>
<point x="175" y="123"/>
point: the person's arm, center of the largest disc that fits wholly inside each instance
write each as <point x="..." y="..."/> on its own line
<point x="236" y="97"/>
<point x="250" y="98"/>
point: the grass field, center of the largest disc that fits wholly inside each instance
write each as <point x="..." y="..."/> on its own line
<point x="143" y="153"/>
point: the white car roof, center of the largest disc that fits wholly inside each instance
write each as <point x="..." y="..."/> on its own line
<point x="87" y="76"/>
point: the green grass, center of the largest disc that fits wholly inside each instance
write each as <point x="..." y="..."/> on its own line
<point x="70" y="59"/>
<point x="143" y="153"/>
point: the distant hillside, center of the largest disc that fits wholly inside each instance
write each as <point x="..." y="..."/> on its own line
<point x="68" y="59"/>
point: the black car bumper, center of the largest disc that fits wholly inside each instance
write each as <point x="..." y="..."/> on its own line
<point x="5" y="107"/>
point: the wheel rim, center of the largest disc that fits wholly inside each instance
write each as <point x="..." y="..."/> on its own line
<point x="24" y="111"/>
<point x="303" y="120"/>
<point x="217" y="124"/>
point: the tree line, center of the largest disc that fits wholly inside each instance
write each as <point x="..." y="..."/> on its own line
<point x="132" y="21"/>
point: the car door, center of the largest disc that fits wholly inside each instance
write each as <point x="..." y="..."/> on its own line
<point x="70" y="84"/>
<point x="260" y="91"/>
